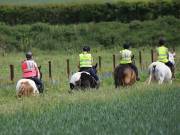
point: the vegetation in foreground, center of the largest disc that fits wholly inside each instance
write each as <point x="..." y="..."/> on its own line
<point x="141" y="110"/>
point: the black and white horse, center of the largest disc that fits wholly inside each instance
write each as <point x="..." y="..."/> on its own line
<point x="83" y="80"/>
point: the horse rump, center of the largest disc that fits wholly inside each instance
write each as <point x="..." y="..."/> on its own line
<point x="124" y="75"/>
<point x="25" y="89"/>
<point x="87" y="81"/>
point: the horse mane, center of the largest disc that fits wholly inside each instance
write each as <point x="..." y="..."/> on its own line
<point x="25" y="89"/>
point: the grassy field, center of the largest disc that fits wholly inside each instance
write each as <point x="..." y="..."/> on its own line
<point x="140" y="109"/>
<point x="32" y="2"/>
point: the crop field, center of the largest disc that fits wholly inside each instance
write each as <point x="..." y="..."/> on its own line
<point x="139" y="109"/>
<point x="32" y="2"/>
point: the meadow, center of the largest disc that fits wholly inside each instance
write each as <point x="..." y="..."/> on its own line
<point x="139" y="109"/>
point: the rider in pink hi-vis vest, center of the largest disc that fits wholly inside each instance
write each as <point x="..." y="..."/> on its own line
<point x="30" y="71"/>
<point x="29" y="68"/>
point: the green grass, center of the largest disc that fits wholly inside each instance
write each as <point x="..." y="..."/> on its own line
<point x="32" y="2"/>
<point x="139" y="109"/>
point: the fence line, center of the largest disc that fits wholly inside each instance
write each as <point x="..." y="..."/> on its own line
<point x="142" y="64"/>
<point x="50" y="73"/>
<point x="11" y="72"/>
<point x="68" y="68"/>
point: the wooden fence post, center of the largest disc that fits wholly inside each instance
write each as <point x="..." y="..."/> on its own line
<point x="140" y="60"/>
<point x="11" y="72"/>
<point x="50" y="73"/>
<point x="152" y="55"/>
<point x="68" y="69"/>
<point x="114" y="61"/>
<point x="99" y="63"/>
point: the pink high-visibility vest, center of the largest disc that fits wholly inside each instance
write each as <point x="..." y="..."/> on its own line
<point x="29" y="69"/>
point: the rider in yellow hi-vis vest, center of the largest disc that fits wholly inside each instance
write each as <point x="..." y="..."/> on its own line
<point x="85" y="62"/>
<point x="126" y="58"/>
<point x="162" y="55"/>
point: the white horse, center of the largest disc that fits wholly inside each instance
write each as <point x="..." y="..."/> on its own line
<point x="26" y="87"/>
<point x="158" y="71"/>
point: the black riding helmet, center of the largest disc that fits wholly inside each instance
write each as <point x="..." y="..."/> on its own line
<point x="29" y="55"/>
<point x="162" y="41"/>
<point x="126" y="45"/>
<point x="86" y="48"/>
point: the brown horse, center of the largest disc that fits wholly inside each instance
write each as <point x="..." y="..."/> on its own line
<point x="124" y="75"/>
<point x="26" y="87"/>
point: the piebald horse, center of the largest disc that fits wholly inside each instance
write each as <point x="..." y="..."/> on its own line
<point x="27" y="87"/>
<point x="124" y="75"/>
<point x="83" y="80"/>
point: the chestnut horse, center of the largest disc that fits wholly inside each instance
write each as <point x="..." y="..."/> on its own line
<point x="27" y="87"/>
<point x="124" y="75"/>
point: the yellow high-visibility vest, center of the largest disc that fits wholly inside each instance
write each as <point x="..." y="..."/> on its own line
<point x="162" y="54"/>
<point x="125" y="56"/>
<point x="85" y="59"/>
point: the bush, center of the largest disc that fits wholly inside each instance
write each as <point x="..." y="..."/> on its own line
<point x="70" y="38"/>
<point x="66" y="14"/>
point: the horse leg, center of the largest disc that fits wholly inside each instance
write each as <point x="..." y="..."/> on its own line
<point x="160" y="80"/>
<point x="170" y="81"/>
<point x="150" y="78"/>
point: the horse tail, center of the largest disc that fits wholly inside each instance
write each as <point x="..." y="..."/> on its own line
<point x="129" y="76"/>
<point x="25" y="89"/>
<point x="71" y="85"/>
<point x="154" y="69"/>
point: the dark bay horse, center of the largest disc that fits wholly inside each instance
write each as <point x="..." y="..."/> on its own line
<point x="124" y="75"/>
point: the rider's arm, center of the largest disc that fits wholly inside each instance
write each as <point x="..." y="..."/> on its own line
<point x="37" y="70"/>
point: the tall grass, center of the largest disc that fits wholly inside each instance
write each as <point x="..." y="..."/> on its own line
<point x="141" y="110"/>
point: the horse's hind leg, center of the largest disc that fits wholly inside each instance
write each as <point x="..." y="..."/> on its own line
<point x="150" y="78"/>
<point x="170" y="81"/>
<point x="160" y="81"/>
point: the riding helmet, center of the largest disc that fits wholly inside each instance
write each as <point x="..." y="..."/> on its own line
<point x="162" y="41"/>
<point x="29" y="55"/>
<point x="86" y="48"/>
<point x="126" y="45"/>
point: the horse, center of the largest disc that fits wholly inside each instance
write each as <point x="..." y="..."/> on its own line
<point x="83" y="80"/>
<point x="124" y="75"/>
<point x="159" y="72"/>
<point x="27" y="87"/>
